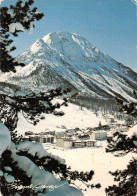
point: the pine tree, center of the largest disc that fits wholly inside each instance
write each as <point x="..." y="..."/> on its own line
<point x="122" y="144"/>
<point x="16" y="179"/>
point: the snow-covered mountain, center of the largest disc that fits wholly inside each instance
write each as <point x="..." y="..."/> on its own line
<point x="67" y="59"/>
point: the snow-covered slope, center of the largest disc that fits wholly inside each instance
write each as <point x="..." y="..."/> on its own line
<point x="73" y="117"/>
<point x="66" y="59"/>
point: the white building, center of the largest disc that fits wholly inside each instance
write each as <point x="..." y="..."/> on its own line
<point x="64" y="142"/>
<point x="98" y="135"/>
<point x="41" y="138"/>
<point x="68" y="143"/>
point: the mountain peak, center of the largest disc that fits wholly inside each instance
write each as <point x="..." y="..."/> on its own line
<point x="65" y="45"/>
<point x="63" y="37"/>
<point x="60" y="35"/>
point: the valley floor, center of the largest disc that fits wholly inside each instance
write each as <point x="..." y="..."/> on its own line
<point x="96" y="159"/>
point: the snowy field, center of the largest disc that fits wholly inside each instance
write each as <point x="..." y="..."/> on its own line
<point x="74" y="117"/>
<point x="96" y="159"/>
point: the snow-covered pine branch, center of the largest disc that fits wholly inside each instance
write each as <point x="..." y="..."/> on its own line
<point x="19" y="17"/>
<point x="123" y="143"/>
<point x="32" y="106"/>
<point x="5" y="139"/>
<point x="43" y="182"/>
<point x="15" y="19"/>
<point x="127" y="181"/>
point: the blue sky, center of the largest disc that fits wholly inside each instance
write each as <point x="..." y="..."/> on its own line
<point x="110" y="25"/>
